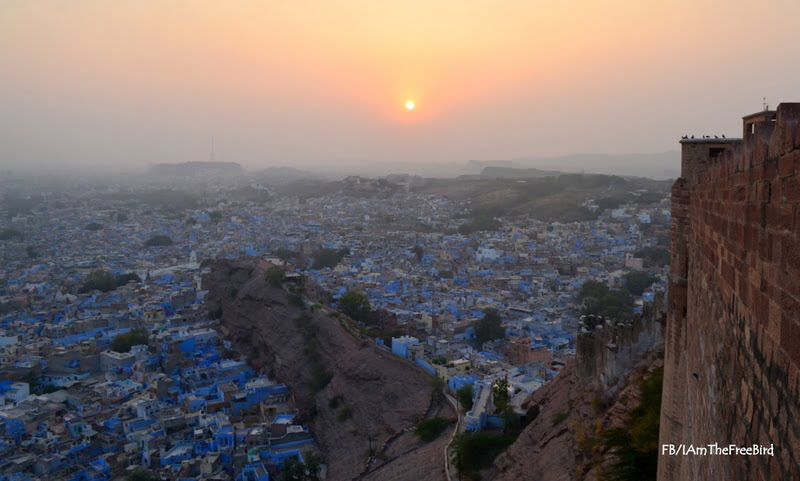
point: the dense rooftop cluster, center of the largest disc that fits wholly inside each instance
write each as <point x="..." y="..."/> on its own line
<point x="108" y="362"/>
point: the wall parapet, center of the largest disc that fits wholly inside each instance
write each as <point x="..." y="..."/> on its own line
<point x="607" y="349"/>
<point x="732" y="337"/>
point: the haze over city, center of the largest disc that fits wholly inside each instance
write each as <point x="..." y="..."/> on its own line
<point x="309" y="83"/>
<point x="385" y="240"/>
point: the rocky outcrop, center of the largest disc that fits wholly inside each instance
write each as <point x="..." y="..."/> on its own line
<point x="545" y="450"/>
<point x="357" y="397"/>
<point x="568" y="416"/>
<point x="564" y="440"/>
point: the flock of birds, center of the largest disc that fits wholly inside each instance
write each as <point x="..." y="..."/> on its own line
<point x="686" y="137"/>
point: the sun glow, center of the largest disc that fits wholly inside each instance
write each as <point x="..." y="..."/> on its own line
<point x="410" y="105"/>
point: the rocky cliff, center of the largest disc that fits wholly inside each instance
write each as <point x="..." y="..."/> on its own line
<point x="358" y="398"/>
<point x="565" y="439"/>
<point x="571" y="417"/>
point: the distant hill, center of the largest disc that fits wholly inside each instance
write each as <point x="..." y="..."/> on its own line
<point x="665" y="165"/>
<point x="282" y="175"/>
<point x="496" y="172"/>
<point x="196" y="168"/>
<point x="660" y="166"/>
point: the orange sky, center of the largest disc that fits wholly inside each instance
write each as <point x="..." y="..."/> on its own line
<point x="291" y="82"/>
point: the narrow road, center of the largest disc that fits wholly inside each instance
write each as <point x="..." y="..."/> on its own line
<point x="452" y="438"/>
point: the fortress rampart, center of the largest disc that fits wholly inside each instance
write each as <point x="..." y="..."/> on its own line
<point x="607" y="349"/>
<point x="732" y="339"/>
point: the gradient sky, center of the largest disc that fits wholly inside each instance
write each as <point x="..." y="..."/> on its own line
<point x="127" y="83"/>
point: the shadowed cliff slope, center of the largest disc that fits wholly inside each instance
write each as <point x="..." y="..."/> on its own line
<point x="566" y="439"/>
<point x="356" y="396"/>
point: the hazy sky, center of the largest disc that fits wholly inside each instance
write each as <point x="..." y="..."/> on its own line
<point x="286" y="82"/>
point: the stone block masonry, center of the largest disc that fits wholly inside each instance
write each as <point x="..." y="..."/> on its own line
<point x="732" y="338"/>
<point x="607" y="349"/>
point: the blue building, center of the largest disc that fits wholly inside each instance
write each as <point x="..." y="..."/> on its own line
<point x="400" y="345"/>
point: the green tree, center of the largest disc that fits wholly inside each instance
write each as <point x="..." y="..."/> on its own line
<point x="482" y="222"/>
<point x="215" y="216"/>
<point x="430" y="429"/>
<point x="437" y="390"/>
<point x="159" y="240"/>
<point x="355" y="304"/>
<point x="105" y="281"/>
<point x="500" y="395"/>
<point x="476" y="451"/>
<point x="10" y="234"/>
<point x="329" y="258"/>
<point x="142" y="475"/>
<point x="296" y="470"/>
<point x="275" y="276"/>
<point x="600" y="300"/>
<point x="465" y="395"/>
<point x="122" y="279"/>
<point x="654" y="256"/>
<point x="489" y="327"/>
<point x="419" y="252"/>
<point x="637" y="282"/>
<point x="635" y="446"/>
<point x="124" y="342"/>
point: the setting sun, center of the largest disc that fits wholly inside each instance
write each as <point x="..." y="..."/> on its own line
<point x="409" y="105"/>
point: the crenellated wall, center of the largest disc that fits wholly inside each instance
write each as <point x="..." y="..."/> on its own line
<point x="732" y="340"/>
<point x="607" y="349"/>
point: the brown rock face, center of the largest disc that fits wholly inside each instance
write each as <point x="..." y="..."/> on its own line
<point x="545" y="450"/>
<point x="372" y="399"/>
<point x="564" y="440"/>
<point x="732" y="341"/>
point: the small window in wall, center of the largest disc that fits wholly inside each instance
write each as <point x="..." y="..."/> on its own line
<point x="752" y="129"/>
<point x="715" y="151"/>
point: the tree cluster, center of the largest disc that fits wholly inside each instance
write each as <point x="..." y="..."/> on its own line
<point x="275" y="276"/>
<point x="124" y="342"/>
<point x="600" y="300"/>
<point x="638" y="282"/>
<point x="105" y="281"/>
<point x="636" y="444"/>
<point x="480" y="223"/>
<point x="10" y="234"/>
<point x="159" y="240"/>
<point x="296" y="470"/>
<point x="654" y="256"/>
<point x="329" y="258"/>
<point x="489" y="327"/>
<point x="356" y="306"/>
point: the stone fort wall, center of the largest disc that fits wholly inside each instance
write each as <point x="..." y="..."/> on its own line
<point x="732" y="339"/>
<point x="607" y="349"/>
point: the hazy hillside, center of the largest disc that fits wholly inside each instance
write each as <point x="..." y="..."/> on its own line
<point x="664" y="165"/>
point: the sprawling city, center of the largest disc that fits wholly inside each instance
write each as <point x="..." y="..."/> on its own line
<point x="399" y="240"/>
<point x="112" y="361"/>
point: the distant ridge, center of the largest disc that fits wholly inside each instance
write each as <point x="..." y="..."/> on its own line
<point x="196" y="167"/>
<point x="662" y="165"/>
<point x="497" y="172"/>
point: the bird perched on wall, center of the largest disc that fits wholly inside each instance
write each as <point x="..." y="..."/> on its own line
<point x="716" y="136"/>
<point x="684" y="137"/>
<point x="723" y="136"/>
<point x="692" y="136"/>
